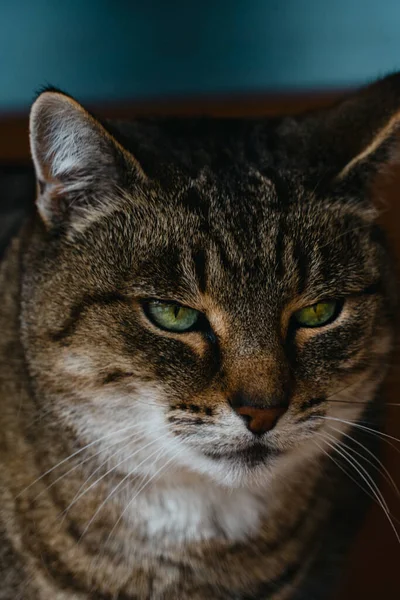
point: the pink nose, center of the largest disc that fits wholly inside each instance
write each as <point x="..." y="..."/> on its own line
<point x="260" y="420"/>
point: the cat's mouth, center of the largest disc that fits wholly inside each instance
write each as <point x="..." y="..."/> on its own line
<point x="250" y="456"/>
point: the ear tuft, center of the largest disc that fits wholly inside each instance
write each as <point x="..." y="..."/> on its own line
<point x="75" y="158"/>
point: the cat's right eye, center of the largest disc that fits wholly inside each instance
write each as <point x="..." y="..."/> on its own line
<point x="171" y="316"/>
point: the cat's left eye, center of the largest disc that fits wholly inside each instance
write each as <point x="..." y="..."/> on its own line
<point x="171" y="316"/>
<point x="317" y="315"/>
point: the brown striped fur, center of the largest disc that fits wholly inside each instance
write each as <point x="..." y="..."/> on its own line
<point x="125" y="472"/>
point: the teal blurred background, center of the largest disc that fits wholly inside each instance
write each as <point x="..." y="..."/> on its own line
<point x="112" y="51"/>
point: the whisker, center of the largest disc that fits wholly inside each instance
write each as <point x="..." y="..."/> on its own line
<point x="64" y="460"/>
<point x="115" y="467"/>
<point x="158" y="472"/>
<point x="380" y="463"/>
<point x="371" y="484"/>
<point x="85" y="460"/>
<point x="127" y="476"/>
<point x="360" y="455"/>
<point x="158" y="452"/>
<point x="363" y="427"/>
<point x="371" y="496"/>
<point x="339" y="448"/>
<point x="353" y="479"/>
<point x="132" y="438"/>
<point x="373" y="432"/>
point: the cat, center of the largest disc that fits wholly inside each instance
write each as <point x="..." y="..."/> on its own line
<point x="195" y="325"/>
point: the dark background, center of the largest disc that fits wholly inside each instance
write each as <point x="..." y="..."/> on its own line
<point x="233" y="57"/>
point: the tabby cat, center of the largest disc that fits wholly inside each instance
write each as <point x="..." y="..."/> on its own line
<point x="195" y="325"/>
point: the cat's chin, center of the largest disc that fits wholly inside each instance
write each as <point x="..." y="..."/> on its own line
<point x="253" y="456"/>
<point x="239" y="474"/>
<point x="250" y="467"/>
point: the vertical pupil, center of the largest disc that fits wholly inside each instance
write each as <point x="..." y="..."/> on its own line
<point x="176" y="311"/>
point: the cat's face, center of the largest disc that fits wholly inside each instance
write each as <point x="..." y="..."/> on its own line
<point x="184" y="313"/>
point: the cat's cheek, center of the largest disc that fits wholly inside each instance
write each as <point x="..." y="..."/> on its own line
<point x="76" y="364"/>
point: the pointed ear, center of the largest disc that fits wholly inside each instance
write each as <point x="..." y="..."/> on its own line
<point x="79" y="165"/>
<point x="358" y="138"/>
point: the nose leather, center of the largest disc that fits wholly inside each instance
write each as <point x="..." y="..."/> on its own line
<point x="260" y="420"/>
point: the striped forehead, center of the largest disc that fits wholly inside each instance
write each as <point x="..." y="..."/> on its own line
<point x="257" y="237"/>
<point x="284" y="253"/>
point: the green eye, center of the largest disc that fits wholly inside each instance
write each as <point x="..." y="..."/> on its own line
<point x="171" y="316"/>
<point x="317" y="314"/>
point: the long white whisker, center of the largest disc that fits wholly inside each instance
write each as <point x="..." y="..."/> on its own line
<point x="352" y="452"/>
<point x="64" y="460"/>
<point x="161" y="469"/>
<point x="363" y="427"/>
<point x="362" y="472"/>
<point x="115" y="467"/>
<point x="132" y="439"/>
<point x="157" y="452"/>
<point x="338" y="447"/>
<point x="380" y="463"/>
<point x="344" y="471"/>
<point x="128" y="476"/>
<point x="87" y="459"/>
<point x="371" y="496"/>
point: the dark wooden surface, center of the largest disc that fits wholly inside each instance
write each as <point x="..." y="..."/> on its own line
<point x="14" y="140"/>
<point x="373" y="571"/>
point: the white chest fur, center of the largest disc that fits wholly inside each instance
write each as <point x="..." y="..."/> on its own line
<point x="195" y="511"/>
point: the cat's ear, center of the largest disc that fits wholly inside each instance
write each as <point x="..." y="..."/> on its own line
<point x="79" y="165"/>
<point x="359" y="137"/>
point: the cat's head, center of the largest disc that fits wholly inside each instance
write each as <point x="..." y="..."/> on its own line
<point x="220" y="289"/>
